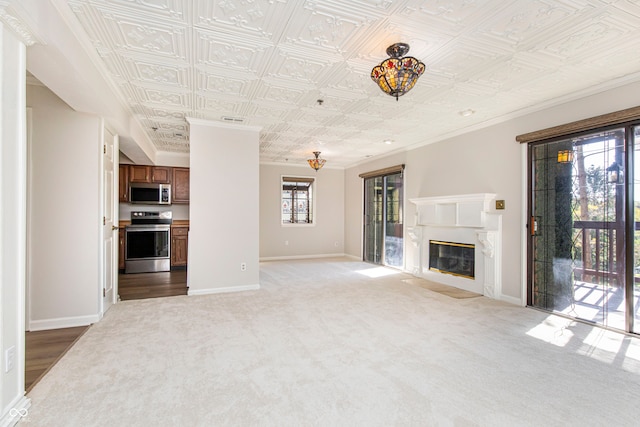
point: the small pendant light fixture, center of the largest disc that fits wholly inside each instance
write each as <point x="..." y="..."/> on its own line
<point x="565" y="156"/>
<point x="316" y="163"/>
<point x="396" y="75"/>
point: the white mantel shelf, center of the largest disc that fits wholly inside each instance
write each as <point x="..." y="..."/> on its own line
<point x="465" y="218"/>
<point x="464" y="210"/>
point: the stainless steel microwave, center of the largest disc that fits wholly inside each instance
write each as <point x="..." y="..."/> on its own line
<point x="150" y="194"/>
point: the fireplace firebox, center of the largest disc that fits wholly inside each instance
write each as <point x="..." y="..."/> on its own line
<point x="457" y="259"/>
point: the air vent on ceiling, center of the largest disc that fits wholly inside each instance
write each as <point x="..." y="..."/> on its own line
<point x="233" y="119"/>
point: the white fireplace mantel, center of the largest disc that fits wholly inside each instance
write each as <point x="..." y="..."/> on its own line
<point x="465" y="210"/>
<point x="466" y="218"/>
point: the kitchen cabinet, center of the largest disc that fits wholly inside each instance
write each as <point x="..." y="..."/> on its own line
<point x="180" y="187"/>
<point x="177" y="177"/>
<point x="121" y="248"/>
<point x="161" y="175"/>
<point x="147" y="174"/>
<point x="123" y="183"/>
<point x="139" y="173"/>
<point x="179" y="245"/>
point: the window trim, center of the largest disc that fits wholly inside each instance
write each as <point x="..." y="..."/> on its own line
<point x="586" y="125"/>
<point x="314" y="194"/>
<point x="383" y="172"/>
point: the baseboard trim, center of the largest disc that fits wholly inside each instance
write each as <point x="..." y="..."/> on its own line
<point x="62" y="322"/>
<point x="511" y="300"/>
<point x="18" y="410"/>
<point x="227" y="289"/>
<point x="292" y="257"/>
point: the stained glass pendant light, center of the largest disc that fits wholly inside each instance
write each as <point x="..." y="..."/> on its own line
<point x="397" y="74"/>
<point x="565" y="156"/>
<point x="316" y="163"/>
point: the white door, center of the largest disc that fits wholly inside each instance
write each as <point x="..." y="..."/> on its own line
<point x="109" y="220"/>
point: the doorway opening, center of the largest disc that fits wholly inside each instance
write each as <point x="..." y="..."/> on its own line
<point x="384" y="218"/>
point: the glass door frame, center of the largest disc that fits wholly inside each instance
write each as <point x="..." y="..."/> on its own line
<point x="384" y="202"/>
<point x="629" y="212"/>
<point x="370" y="222"/>
<point x="630" y="228"/>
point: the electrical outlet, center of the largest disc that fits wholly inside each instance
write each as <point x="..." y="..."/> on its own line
<point x="336" y="244"/>
<point x="9" y="358"/>
<point x="243" y="266"/>
<point x="286" y="243"/>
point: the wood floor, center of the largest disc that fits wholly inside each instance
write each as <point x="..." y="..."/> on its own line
<point x="152" y="285"/>
<point x="44" y="348"/>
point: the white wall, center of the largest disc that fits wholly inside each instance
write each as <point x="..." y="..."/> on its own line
<point x="223" y="207"/>
<point x="12" y="222"/>
<point x="325" y="237"/>
<point x="179" y="160"/>
<point x="488" y="160"/>
<point x="64" y="214"/>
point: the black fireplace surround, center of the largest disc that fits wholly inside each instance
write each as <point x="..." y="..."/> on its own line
<point x="457" y="259"/>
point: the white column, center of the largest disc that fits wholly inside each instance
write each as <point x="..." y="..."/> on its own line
<point x="13" y="402"/>
<point x="224" y="207"/>
<point x="488" y="238"/>
<point x="415" y="234"/>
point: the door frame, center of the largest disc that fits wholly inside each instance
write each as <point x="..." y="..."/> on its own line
<point x="103" y="303"/>
<point x="383" y="173"/>
<point x="629" y="215"/>
<point x="29" y="204"/>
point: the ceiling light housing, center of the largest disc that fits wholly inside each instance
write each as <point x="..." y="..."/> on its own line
<point x="397" y="74"/>
<point x="316" y="163"/>
<point x="565" y="156"/>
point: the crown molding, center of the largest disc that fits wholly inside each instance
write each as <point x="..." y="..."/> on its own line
<point x="11" y="17"/>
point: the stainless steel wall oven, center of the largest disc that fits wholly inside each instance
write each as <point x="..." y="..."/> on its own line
<point x="148" y="242"/>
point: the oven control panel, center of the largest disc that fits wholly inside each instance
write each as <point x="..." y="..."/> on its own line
<point x="151" y="217"/>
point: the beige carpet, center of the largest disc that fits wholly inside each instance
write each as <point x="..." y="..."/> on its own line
<point x="449" y="291"/>
<point x="339" y="343"/>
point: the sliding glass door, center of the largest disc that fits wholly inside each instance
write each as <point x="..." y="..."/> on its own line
<point x="633" y="305"/>
<point x="584" y="248"/>
<point x="383" y="220"/>
<point x="373" y="236"/>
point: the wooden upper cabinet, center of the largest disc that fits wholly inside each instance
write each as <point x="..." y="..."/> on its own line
<point x="123" y="183"/>
<point x="177" y="177"/>
<point x="156" y="174"/>
<point x="138" y="173"/>
<point x="161" y="175"/>
<point x="180" y="187"/>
